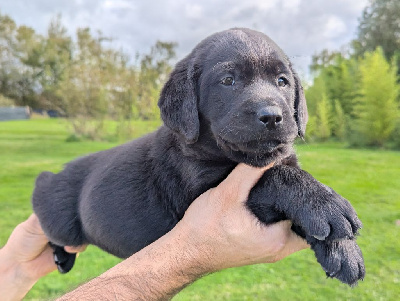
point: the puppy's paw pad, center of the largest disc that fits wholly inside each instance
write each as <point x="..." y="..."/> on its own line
<point x="342" y="260"/>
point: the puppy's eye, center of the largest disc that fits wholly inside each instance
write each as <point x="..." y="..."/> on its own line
<point x="282" y="82"/>
<point x="228" y="81"/>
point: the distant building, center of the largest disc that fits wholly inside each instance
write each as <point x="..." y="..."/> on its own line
<point x="14" y="113"/>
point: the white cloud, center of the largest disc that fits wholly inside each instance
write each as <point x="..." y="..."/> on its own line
<point x="118" y="4"/>
<point x="300" y="27"/>
<point x="334" y="27"/>
<point x="194" y="11"/>
<point x="291" y="5"/>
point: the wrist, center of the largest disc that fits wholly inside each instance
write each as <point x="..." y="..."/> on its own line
<point x="195" y="249"/>
<point x="15" y="283"/>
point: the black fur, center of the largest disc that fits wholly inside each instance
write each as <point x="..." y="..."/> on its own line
<point x="64" y="260"/>
<point x="124" y="198"/>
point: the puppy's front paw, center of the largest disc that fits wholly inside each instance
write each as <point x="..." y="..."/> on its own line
<point x="340" y="259"/>
<point x="325" y="215"/>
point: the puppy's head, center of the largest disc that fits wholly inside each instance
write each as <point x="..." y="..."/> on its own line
<point x="239" y="87"/>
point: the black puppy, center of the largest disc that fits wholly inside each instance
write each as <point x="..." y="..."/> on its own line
<point x="234" y="98"/>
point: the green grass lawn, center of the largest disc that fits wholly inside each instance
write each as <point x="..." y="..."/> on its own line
<point x="370" y="179"/>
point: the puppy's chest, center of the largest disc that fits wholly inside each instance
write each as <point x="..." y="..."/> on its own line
<point x="191" y="183"/>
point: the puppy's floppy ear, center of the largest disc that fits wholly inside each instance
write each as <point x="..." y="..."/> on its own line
<point x="300" y="107"/>
<point x="178" y="101"/>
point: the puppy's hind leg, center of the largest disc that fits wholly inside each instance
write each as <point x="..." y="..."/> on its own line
<point x="55" y="202"/>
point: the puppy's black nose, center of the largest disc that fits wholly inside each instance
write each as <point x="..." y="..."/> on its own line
<point x="271" y="116"/>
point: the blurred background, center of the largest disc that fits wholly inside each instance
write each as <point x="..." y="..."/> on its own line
<point x="82" y="76"/>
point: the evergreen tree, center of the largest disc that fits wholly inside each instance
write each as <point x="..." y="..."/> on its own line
<point x="323" y="116"/>
<point x="339" y="121"/>
<point x="377" y="109"/>
<point x="338" y="78"/>
<point x="314" y="94"/>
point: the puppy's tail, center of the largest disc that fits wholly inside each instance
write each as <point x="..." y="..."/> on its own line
<point x="55" y="202"/>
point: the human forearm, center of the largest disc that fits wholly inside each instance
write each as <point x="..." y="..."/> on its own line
<point x="14" y="283"/>
<point x="157" y="272"/>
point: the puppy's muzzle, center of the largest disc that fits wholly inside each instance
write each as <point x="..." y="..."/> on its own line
<point x="271" y="117"/>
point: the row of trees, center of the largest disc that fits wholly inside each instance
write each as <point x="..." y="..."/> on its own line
<point x="355" y="94"/>
<point x="81" y="77"/>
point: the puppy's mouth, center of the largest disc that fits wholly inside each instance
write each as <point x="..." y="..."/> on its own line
<point x="252" y="147"/>
<point x="255" y="152"/>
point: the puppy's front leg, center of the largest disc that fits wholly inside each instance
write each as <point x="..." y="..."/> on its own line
<point x="325" y="219"/>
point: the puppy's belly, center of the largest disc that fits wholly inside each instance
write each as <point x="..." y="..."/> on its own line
<point x="121" y="218"/>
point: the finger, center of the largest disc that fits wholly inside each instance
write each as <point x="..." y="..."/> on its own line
<point x="242" y="179"/>
<point x="294" y="244"/>
<point x="297" y="243"/>
<point x="47" y="259"/>
<point x="32" y="225"/>
<point x="76" y="249"/>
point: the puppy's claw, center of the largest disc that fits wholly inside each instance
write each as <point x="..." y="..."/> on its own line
<point x="330" y="275"/>
<point x="319" y="237"/>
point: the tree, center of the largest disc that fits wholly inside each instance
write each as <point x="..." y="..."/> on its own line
<point x="83" y="78"/>
<point x="84" y="88"/>
<point x="339" y="76"/>
<point x="339" y="121"/>
<point x="154" y="69"/>
<point x="323" y="117"/>
<point x="332" y="96"/>
<point x="314" y="94"/>
<point x="53" y="58"/>
<point x="379" y="26"/>
<point x="323" y="59"/>
<point x="341" y="82"/>
<point x="377" y="109"/>
<point x="17" y="80"/>
<point x="361" y="86"/>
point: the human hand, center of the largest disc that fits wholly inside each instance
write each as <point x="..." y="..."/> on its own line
<point x="25" y="258"/>
<point x="228" y="234"/>
<point x="29" y="251"/>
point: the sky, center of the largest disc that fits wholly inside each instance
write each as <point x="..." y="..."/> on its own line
<point x="300" y="27"/>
